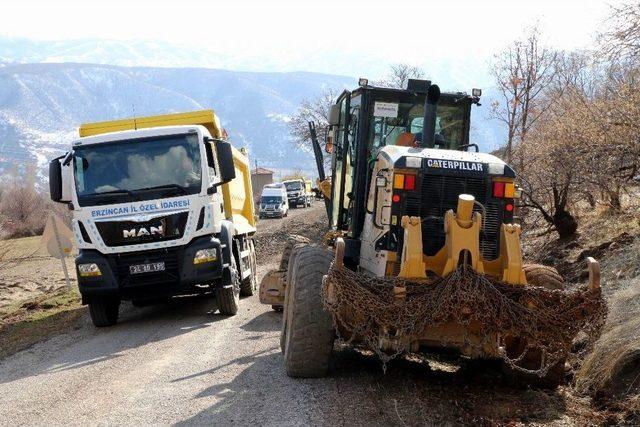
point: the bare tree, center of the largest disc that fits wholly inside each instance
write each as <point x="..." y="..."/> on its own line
<point x="399" y="75"/>
<point x="522" y="72"/>
<point x="316" y="110"/>
<point x="621" y="39"/>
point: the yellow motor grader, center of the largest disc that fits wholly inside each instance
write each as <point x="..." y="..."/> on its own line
<point x="423" y="250"/>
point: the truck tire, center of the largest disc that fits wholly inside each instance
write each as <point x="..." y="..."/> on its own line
<point x="291" y="266"/>
<point x="249" y="285"/>
<point x="542" y="275"/>
<point x="104" y="312"/>
<point x="228" y="296"/>
<point x="309" y="328"/>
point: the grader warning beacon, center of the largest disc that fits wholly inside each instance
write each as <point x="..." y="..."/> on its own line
<point x="425" y="252"/>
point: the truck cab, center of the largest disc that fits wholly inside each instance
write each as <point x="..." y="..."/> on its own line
<point x="152" y="212"/>
<point x="297" y="193"/>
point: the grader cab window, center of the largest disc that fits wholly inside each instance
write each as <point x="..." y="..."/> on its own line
<point x="407" y="127"/>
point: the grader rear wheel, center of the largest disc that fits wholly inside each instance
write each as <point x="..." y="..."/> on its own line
<point x="309" y="328"/>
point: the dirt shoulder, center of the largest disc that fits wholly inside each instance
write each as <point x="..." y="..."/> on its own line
<point x="35" y="302"/>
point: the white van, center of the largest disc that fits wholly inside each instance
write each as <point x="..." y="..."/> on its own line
<point x="273" y="202"/>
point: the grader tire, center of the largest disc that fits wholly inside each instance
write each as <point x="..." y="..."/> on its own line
<point x="549" y="278"/>
<point x="554" y="377"/>
<point x="542" y="275"/>
<point x="309" y="329"/>
<point x="290" y="268"/>
<point x="292" y="241"/>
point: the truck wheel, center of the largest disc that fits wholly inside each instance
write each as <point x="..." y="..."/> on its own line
<point x="104" y="312"/>
<point x="542" y="275"/>
<point x="309" y="328"/>
<point x="228" y="296"/>
<point x="250" y="284"/>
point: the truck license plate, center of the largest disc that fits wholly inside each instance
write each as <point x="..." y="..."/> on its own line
<point x="146" y="268"/>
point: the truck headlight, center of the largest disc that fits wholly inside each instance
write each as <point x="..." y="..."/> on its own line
<point x="205" y="255"/>
<point x="89" y="270"/>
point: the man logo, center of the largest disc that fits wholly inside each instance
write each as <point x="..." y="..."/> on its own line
<point x="141" y="232"/>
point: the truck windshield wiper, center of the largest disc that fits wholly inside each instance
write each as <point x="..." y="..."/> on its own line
<point x="182" y="190"/>
<point x="117" y="192"/>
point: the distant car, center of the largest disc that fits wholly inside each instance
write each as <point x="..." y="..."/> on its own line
<point x="273" y="202"/>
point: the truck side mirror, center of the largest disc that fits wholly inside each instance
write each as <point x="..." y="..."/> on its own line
<point x="334" y="115"/>
<point x="224" y="154"/>
<point x="55" y="180"/>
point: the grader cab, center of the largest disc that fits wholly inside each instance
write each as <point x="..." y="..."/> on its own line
<point x="424" y="251"/>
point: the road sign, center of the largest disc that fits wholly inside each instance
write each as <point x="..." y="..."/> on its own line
<point x="58" y="239"/>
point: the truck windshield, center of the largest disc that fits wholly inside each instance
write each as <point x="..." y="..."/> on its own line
<point x="271" y="199"/>
<point x="139" y="169"/>
<point x="293" y="186"/>
<point x="449" y="126"/>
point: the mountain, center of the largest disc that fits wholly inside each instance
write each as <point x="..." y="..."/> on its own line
<point x="48" y="88"/>
<point x="451" y="73"/>
<point x="41" y="105"/>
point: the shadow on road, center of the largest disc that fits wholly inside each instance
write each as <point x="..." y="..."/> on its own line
<point x="357" y="392"/>
<point x="266" y="322"/>
<point x="90" y="345"/>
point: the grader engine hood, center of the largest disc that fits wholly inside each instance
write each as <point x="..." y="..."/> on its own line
<point x="446" y="160"/>
<point x="425" y="183"/>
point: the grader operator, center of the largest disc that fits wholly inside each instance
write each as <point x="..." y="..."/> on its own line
<point x="425" y="253"/>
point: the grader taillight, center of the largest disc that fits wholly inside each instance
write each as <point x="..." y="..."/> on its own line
<point x="504" y="190"/>
<point x="404" y="181"/>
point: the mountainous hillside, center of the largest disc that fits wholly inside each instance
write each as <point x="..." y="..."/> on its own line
<point x="451" y="73"/>
<point x="41" y="105"/>
<point x="48" y="88"/>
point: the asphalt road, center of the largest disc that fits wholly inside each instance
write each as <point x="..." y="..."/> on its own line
<point x="185" y="364"/>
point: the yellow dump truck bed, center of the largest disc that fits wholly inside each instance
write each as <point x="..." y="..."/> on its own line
<point x="237" y="194"/>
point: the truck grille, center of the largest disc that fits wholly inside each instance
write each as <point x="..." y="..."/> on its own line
<point x="438" y="195"/>
<point x="171" y="274"/>
<point x="161" y="228"/>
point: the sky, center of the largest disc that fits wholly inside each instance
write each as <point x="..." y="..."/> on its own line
<point x="482" y="26"/>
<point x="413" y="32"/>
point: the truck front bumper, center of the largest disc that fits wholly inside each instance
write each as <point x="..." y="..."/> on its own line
<point x="272" y="214"/>
<point x="179" y="277"/>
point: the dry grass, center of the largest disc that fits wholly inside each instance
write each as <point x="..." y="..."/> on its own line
<point x="27" y="322"/>
<point x="611" y="372"/>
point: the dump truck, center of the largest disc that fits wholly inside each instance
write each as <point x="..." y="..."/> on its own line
<point x="298" y="192"/>
<point x="162" y="206"/>
<point x="423" y="248"/>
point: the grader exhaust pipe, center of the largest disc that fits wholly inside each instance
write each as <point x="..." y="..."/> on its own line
<point x="429" y="120"/>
